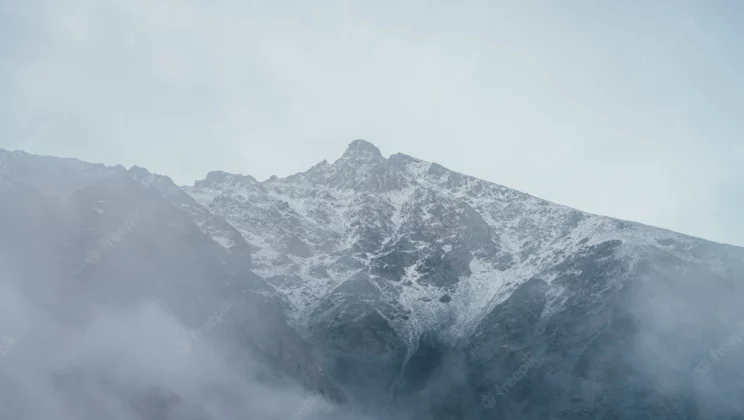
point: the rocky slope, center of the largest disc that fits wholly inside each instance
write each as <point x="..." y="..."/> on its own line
<point x="431" y="294"/>
<point x="373" y="253"/>
<point x="81" y="241"/>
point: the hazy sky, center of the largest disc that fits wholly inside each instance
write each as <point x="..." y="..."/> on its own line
<point x="631" y="109"/>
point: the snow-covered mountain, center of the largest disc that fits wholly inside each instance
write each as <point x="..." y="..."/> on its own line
<point x="107" y="283"/>
<point x="442" y="249"/>
<point x="432" y="294"/>
<point x="406" y="248"/>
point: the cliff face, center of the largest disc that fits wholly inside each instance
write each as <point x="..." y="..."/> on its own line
<point x="400" y="287"/>
<point x="113" y="245"/>
<point x="375" y="253"/>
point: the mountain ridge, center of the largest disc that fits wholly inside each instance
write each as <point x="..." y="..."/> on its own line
<point x="396" y="269"/>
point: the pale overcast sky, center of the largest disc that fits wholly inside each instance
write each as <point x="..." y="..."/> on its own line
<point x="633" y="109"/>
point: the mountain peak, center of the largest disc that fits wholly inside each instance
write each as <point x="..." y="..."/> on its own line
<point x="362" y="150"/>
<point x="221" y="177"/>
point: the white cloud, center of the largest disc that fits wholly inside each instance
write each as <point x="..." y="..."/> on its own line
<point x="553" y="99"/>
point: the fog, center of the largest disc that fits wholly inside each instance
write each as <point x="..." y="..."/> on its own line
<point x="689" y="335"/>
<point x="113" y="304"/>
<point x="109" y="369"/>
<point x="117" y="300"/>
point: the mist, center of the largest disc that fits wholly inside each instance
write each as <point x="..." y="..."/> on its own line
<point x="114" y="305"/>
<point x="125" y="296"/>
<point x="126" y="364"/>
<point x="689" y="333"/>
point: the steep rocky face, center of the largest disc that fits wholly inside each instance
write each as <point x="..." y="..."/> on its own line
<point x="417" y="228"/>
<point x="419" y="292"/>
<point x="606" y="339"/>
<point x="120" y="243"/>
<point x="217" y="228"/>
<point x="361" y="349"/>
<point x="375" y="253"/>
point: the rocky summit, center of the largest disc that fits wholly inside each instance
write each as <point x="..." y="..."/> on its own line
<point x="399" y="289"/>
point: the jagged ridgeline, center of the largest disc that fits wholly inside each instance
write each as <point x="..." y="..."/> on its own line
<point x="402" y="289"/>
